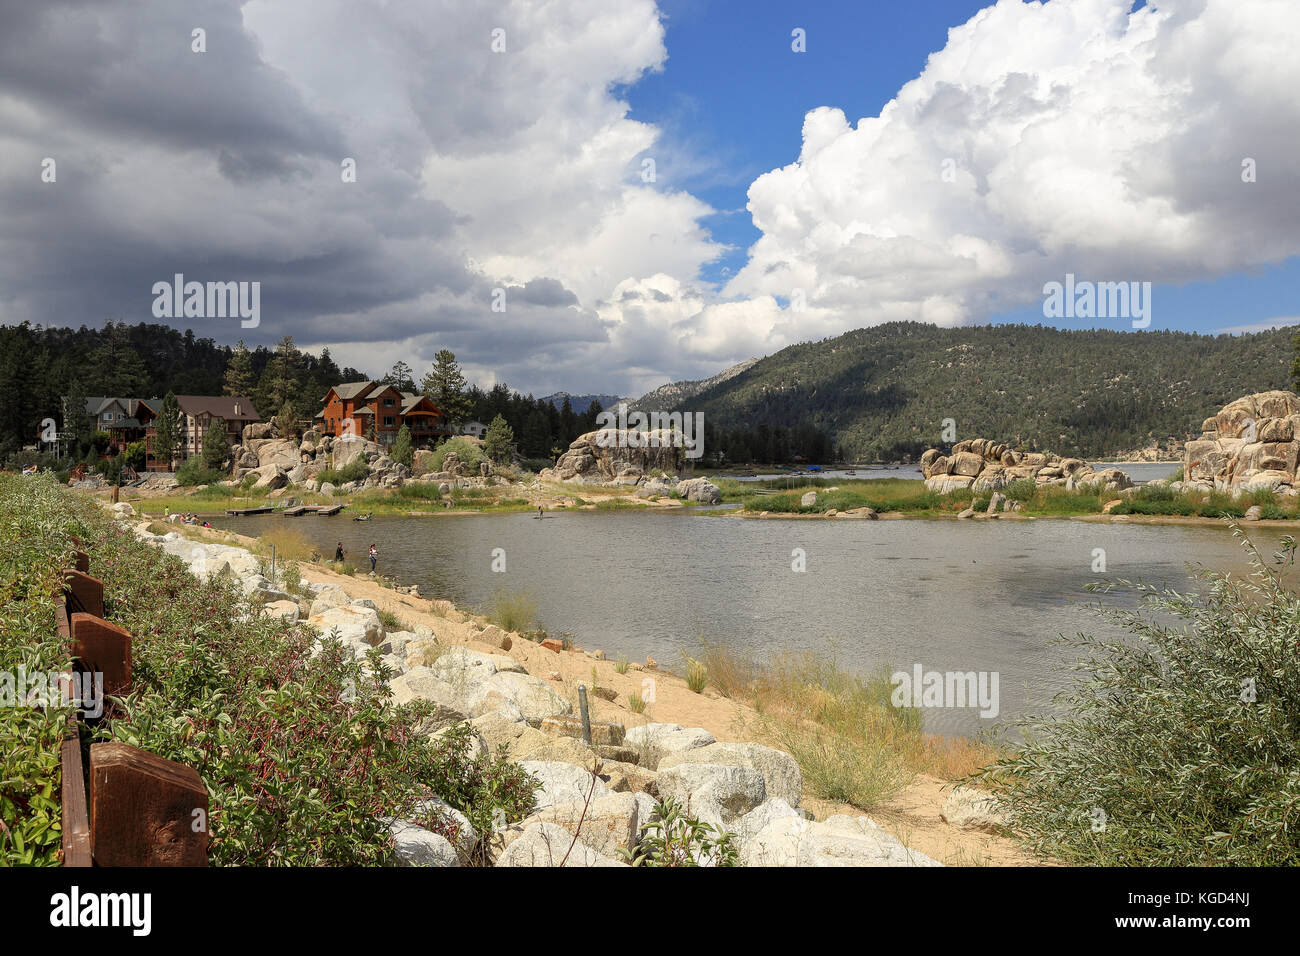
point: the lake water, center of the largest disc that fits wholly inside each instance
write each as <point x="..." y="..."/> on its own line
<point x="948" y="595"/>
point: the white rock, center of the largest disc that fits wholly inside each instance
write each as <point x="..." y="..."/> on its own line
<point x="548" y="844"/>
<point x="466" y="838"/>
<point x="839" y="841"/>
<point x="657" y="741"/>
<point x="968" y="809"/>
<point x="607" y="825"/>
<point x="713" y="791"/>
<point x="417" y="846"/>
<point x="781" y="775"/>
<point x="288" y="610"/>
<point x="562" y="783"/>
<point x="357" y="627"/>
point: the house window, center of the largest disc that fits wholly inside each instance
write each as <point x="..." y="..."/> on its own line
<point x="388" y="403"/>
<point x="389" y="421"/>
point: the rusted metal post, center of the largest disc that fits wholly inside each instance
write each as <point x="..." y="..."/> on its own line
<point x="586" y="716"/>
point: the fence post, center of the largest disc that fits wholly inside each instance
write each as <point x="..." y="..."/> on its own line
<point x="103" y="648"/>
<point x="145" y="810"/>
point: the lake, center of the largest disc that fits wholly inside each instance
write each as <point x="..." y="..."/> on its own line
<point x="948" y="595"/>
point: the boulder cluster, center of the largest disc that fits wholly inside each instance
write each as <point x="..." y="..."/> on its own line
<point x="749" y="789"/>
<point x="983" y="465"/>
<point x="278" y="462"/>
<point x="1250" y="445"/>
<point x="647" y="460"/>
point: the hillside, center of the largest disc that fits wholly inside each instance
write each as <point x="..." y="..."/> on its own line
<point x="883" y="392"/>
<point x="671" y="396"/>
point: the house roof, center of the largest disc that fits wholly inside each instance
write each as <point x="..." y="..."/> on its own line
<point x="353" y="389"/>
<point x="412" y="400"/>
<point x="219" y="406"/>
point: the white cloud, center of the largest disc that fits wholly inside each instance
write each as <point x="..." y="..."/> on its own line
<point x="1081" y="138"/>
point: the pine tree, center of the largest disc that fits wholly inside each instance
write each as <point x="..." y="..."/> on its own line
<point x="402" y="452"/>
<point x="76" y="425"/>
<point x="279" y="383"/>
<point x="215" y="448"/>
<point x="239" y="372"/>
<point x="167" y="432"/>
<point x="444" y="385"/>
<point x="400" y="377"/>
<point x="499" y="441"/>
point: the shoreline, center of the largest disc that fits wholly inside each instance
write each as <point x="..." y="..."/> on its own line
<point x="913" y="815"/>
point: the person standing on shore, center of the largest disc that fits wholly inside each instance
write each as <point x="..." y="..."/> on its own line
<point x="338" y="553"/>
<point x="374" y="556"/>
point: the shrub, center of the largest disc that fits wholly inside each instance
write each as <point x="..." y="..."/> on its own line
<point x="672" y="838"/>
<point x="636" y="703"/>
<point x="358" y="469"/>
<point x="300" y="748"/>
<point x="467" y="451"/>
<point x="193" y="472"/>
<point x="1180" y="739"/>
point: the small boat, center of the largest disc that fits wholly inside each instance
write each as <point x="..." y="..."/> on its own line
<point x="365" y="517"/>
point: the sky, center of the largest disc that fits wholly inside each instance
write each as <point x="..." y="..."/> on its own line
<point x="607" y="195"/>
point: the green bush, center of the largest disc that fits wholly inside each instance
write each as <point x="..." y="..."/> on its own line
<point x="37" y="534"/>
<point x="193" y="472"/>
<point x="298" y="743"/>
<point x="358" y="469"/>
<point x="467" y="451"/>
<point x="674" y="838"/>
<point x="1179" y="744"/>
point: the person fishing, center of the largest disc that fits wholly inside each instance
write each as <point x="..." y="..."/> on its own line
<point x="539" y="511"/>
<point x="338" y="553"/>
<point x="374" y="556"/>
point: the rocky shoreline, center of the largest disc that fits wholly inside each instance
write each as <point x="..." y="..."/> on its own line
<point x="515" y="693"/>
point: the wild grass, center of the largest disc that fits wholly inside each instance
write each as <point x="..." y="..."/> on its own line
<point x="697" y="675"/>
<point x="290" y="544"/>
<point x="851" y="743"/>
<point x="1177" y="744"/>
<point x="636" y="703"/>
<point x="513" y="611"/>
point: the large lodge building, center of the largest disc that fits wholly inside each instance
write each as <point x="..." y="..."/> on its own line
<point x="377" y="411"/>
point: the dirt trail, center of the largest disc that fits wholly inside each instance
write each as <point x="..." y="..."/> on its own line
<point x="913" y="815"/>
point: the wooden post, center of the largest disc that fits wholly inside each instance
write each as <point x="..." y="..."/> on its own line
<point x="84" y="593"/>
<point x="144" y="810"/>
<point x="81" y="561"/>
<point x="102" y="647"/>
<point x="76" y="818"/>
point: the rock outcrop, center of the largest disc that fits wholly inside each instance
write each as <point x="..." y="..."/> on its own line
<point x="1250" y="445"/>
<point x="982" y="465"/>
<point x="609" y="457"/>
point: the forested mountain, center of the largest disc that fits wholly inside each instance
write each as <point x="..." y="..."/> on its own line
<point x="883" y="393"/>
<point x="674" y="395"/>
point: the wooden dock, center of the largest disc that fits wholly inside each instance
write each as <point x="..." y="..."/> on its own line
<point x="327" y="510"/>
<point x="250" y="511"/>
<point x="297" y="510"/>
